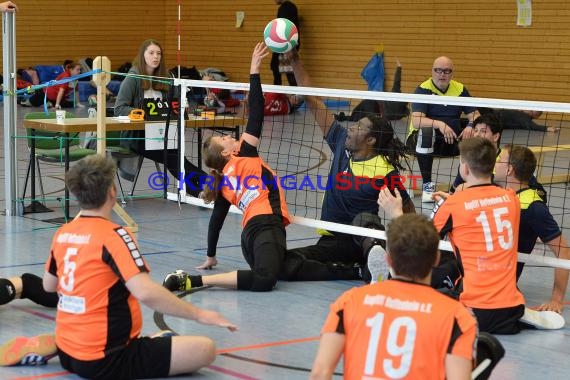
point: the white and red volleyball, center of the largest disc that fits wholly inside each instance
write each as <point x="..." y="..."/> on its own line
<point x="281" y="35"/>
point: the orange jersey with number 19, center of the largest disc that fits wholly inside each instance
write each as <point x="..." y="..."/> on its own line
<point x="92" y="259"/>
<point x="400" y="330"/>
<point x="482" y="223"/>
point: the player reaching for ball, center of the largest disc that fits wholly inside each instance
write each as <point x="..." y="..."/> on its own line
<point x="236" y="165"/>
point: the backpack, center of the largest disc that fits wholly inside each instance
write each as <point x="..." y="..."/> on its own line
<point x="195" y="94"/>
<point x="124" y="68"/>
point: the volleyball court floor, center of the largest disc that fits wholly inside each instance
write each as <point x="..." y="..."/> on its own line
<point x="278" y="331"/>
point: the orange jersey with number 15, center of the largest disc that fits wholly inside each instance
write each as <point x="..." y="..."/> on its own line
<point x="482" y="223"/>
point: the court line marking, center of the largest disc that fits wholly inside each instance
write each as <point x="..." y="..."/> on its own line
<point x="271" y="364"/>
<point x="43" y="376"/>
<point x="265" y="345"/>
<point x="34" y="312"/>
<point x="231" y="373"/>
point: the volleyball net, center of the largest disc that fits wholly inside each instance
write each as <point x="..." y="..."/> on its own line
<point x="293" y="145"/>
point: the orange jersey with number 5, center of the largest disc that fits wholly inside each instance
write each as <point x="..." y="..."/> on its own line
<point x="92" y="259"/>
<point x="482" y="223"/>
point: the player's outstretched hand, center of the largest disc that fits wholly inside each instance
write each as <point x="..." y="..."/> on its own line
<point x="209" y="263"/>
<point x="392" y="205"/>
<point x="209" y="317"/>
<point x="259" y="52"/>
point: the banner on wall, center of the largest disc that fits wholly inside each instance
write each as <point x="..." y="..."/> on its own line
<point x="524" y="12"/>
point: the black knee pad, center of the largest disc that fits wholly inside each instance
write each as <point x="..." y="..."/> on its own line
<point x="33" y="289"/>
<point x="7" y="291"/>
<point x="488" y="347"/>
<point x="263" y="283"/>
<point x="368" y="220"/>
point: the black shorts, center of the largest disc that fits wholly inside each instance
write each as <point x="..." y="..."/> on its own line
<point x="143" y="358"/>
<point x="500" y="321"/>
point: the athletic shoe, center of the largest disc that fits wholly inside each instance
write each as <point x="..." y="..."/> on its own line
<point x="26" y="103"/>
<point x="22" y="350"/>
<point x="428" y="189"/>
<point x="377" y="265"/>
<point x="543" y="320"/>
<point x="177" y="281"/>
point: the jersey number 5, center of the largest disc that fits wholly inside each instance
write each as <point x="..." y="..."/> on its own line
<point x="402" y="353"/>
<point x="504" y="229"/>
<point x="67" y="281"/>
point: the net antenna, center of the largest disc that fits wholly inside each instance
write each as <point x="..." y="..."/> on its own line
<point x="178" y="36"/>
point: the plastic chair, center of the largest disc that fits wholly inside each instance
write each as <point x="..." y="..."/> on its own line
<point x="49" y="148"/>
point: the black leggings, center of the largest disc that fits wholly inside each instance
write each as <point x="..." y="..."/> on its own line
<point x="264" y="248"/>
<point x="191" y="172"/>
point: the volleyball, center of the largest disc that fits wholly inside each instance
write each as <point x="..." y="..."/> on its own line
<point x="281" y="35"/>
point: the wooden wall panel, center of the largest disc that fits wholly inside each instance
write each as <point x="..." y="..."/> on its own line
<point x="492" y="56"/>
<point x="48" y="32"/>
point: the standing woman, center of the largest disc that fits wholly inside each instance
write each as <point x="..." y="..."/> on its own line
<point x="287" y="9"/>
<point x="149" y="61"/>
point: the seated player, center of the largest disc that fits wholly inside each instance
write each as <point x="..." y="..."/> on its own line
<point x="236" y="164"/>
<point x="482" y="224"/>
<point x="100" y="276"/>
<point x="401" y="328"/>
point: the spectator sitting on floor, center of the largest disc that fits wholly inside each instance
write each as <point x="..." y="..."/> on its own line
<point x="519" y="119"/>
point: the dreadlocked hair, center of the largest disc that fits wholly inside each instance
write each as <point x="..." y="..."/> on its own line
<point x="387" y="143"/>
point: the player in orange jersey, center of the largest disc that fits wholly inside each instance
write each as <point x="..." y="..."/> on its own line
<point x="244" y="180"/>
<point x="482" y="223"/>
<point x="100" y="275"/>
<point x="400" y="328"/>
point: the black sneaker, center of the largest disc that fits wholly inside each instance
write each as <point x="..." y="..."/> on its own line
<point x="177" y="281"/>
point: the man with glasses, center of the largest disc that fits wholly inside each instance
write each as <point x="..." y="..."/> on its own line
<point x="434" y="128"/>
<point x="514" y="170"/>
